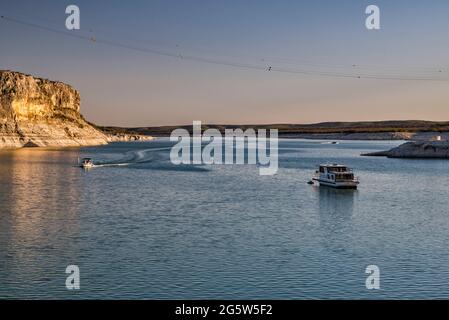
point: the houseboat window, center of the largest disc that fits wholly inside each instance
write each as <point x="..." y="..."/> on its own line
<point x="345" y="176"/>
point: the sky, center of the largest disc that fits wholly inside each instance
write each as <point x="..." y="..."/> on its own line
<point x="167" y="62"/>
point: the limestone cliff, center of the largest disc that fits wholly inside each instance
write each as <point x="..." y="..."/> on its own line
<point x="44" y="113"/>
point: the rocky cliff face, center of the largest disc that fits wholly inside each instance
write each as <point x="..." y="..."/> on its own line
<point x="40" y="112"/>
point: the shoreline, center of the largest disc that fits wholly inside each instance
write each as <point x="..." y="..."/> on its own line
<point x="133" y="136"/>
<point x="363" y="136"/>
<point x="77" y="144"/>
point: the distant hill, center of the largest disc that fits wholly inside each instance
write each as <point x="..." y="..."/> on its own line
<point x="394" y="126"/>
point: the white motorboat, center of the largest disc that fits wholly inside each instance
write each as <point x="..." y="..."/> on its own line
<point x="86" y="163"/>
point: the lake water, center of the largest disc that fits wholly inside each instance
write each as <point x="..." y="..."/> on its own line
<point x="152" y="230"/>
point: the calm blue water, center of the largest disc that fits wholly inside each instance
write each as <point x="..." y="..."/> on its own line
<point x="157" y="231"/>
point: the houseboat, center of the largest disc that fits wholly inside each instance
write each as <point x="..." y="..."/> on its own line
<point x="335" y="176"/>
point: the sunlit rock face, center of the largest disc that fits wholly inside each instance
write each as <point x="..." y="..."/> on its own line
<point x="44" y="113"/>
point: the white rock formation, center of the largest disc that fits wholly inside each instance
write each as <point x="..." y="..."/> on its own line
<point x="417" y="149"/>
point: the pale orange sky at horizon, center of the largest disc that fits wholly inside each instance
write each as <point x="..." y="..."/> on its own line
<point x="297" y="100"/>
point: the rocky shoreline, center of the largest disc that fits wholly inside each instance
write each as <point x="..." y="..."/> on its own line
<point x="36" y="112"/>
<point x="416" y="149"/>
<point x="128" y="138"/>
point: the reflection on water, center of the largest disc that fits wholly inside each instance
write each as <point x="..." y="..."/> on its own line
<point x="154" y="230"/>
<point x="336" y="208"/>
<point x="335" y="205"/>
<point x="39" y="212"/>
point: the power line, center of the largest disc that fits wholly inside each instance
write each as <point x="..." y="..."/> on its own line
<point x="296" y="62"/>
<point x="209" y="60"/>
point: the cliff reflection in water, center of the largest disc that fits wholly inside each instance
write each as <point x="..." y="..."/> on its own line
<point x="38" y="220"/>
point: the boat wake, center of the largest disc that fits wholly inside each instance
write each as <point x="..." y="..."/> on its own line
<point x="111" y="165"/>
<point x="135" y="157"/>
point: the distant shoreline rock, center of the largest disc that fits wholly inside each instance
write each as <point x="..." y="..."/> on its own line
<point x="370" y="136"/>
<point x="128" y="138"/>
<point x="36" y="112"/>
<point x="417" y="150"/>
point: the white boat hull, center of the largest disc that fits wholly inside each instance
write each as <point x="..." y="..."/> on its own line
<point x="338" y="184"/>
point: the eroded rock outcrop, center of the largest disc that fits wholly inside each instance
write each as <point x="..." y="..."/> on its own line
<point x="43" y="113"/>
<point x="127" y="137"/>
<point x="417" y="149"/>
